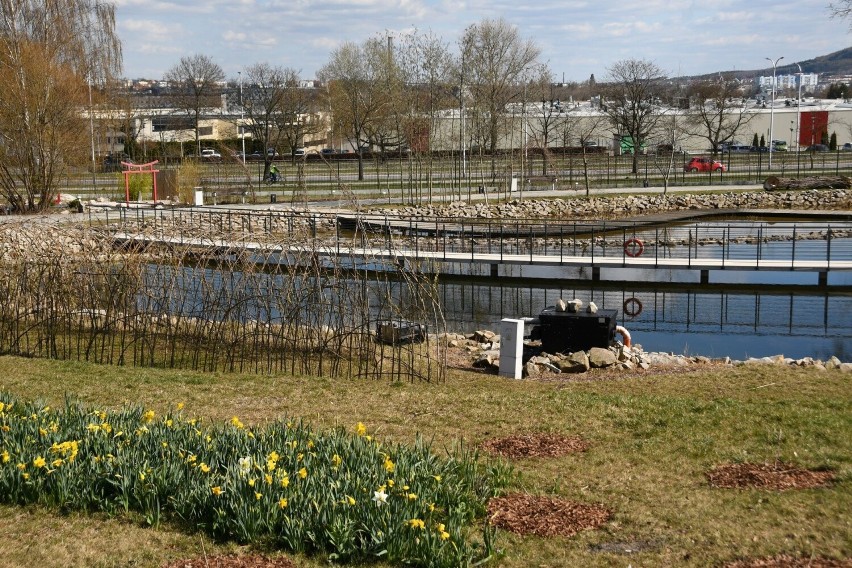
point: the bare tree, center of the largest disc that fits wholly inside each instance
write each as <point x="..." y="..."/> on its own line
<point x="277" y="110"/>
<point x="717" y="112"/>
<point x="632" y="101"/>
<point x="356" y="94"/>
<point x="50" y="52"/>
<point x="427" y="69"/>
<point x="668" y="137"/>
<point x="194" y="84"/>
<point x="494" y="60"/>
<point x="841" y="9"/>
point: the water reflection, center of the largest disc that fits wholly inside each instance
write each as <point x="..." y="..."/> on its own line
<point x="714" y="322"/>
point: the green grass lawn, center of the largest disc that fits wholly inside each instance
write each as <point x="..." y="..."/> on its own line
<point x="652" y="438"/>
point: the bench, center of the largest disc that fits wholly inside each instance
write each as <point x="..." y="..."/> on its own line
<point x="540" y="180"/>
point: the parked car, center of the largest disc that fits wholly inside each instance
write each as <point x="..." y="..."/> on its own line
<point x="210" y="154"/>
<point x="699" y="164"/>
<point x="271" y="153"/>
<point x="328" y="151"/>
<point x="300" y="152"/>
<point x="817" y="148"/>
<point x="847" y="147"/>
<point x="779" y="145"/>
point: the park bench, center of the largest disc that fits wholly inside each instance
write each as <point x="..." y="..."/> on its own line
<point x="541" y="180"/>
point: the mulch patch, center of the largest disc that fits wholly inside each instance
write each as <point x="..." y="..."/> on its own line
<point x="778" y="476"/>
<point x="787" y="561"/>
<point x="231" y="561"/>
<point x="534" y="446"/>
<point x="544" y="516"/>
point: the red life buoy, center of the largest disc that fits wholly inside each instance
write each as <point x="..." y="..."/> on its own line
<point x="633" y="247"/>
<point x="632" y="307"/>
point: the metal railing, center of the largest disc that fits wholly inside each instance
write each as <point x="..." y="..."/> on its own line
<point x="741" y="244"/>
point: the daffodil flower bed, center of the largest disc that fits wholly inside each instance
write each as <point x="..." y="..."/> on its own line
<point x="338" y="493"/>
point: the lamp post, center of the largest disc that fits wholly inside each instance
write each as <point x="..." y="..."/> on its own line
<point x="772" y="108"/>
<point x="242" y="112"/>
<point x="798" y="119"/>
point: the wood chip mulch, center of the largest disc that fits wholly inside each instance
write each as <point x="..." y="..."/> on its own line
<point x="534" y="446"/>
<point x="787" y="561"/>
<point x="777" y="476"/>
<point x="544" y="516"/>
<point x="231" y="561"/>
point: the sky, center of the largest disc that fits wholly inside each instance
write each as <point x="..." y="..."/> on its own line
<point x="577" y="38"/>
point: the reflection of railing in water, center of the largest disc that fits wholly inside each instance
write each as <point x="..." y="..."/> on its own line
<point x="469" y="305"/>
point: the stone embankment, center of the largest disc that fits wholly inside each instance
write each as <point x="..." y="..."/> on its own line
<point x="481" y="350"/>
<point x="623" y="206"/>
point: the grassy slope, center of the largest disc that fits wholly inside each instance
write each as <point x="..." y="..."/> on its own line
<point x="652" y="437"/>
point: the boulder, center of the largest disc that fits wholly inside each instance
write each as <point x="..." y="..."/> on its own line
<point x="832" y="363"/>
<point x="575" y="306"/>
<point x="575" y="363"/>
<point x="531" y="370"/>
<point x="600" y="357"/>
<point x="592" y="308"/>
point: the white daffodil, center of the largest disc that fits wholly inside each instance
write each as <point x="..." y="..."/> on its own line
<point x="380" y="497"/>
<point x="245" y="465"/>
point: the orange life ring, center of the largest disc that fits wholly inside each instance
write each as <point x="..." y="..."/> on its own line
<point x="634" y="247"/>
<point x="632" y="307"/>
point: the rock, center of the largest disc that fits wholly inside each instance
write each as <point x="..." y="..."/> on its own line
<point x="600" y="357"/>
<point x="561" y="306"/>
<point x="832" y="363"/>
<point x="575" y="305"/>
<point x="575" y="363"/>
<point x="845" y="368"/>
<point x="531" y="370"/>
<point x="644" y="365"/>
<point x="592" y="308"/>
<point x="627" y="365"/>
<point x="483" y="336"/>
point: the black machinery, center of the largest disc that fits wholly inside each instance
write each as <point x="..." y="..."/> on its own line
<point x="567" y="332"/>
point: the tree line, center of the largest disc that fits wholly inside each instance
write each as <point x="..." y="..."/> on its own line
<point x="60" y="56"/>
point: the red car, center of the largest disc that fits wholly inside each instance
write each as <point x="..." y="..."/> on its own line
<point x="704" y="165"/>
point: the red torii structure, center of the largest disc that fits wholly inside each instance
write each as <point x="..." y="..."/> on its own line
<point x="131" y="169"/>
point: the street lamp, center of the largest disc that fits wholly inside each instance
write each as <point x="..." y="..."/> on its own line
<point x="242" y="112"/>
<point x="798" y="118"/>
<point x="772" y="108"/>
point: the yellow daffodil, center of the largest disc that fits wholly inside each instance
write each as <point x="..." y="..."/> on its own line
<point x="443" y="532"/>
<point x="2" y="407"/>
<point x="273" y="456"/>
<point x="282" y="503"/>
<point x="391" y="483"/>
<point x="389" y="465"/>
<point x="437" y="478"/>
<point x="141" y="476"/>
<point x="268" y="479"/>
<point x="416" y="523"/>
<point x="5" y="456"/>
<point x="148" y="416"/>
<point x="350" y="500"/>
<point x="180" y="406"/>
<point x="310" y="444"/>
<point x="300" y="457"/>
<point x="335" y="461"/>
<point x="169" y="423"/>
<point x="251" y="482"/>
<point x="39" y="462"/>
<point x="57" y="462"/>
<point x="42" y="432"/>
<point x="431" y="507"/>
<point x="25" y="475"/>
<point x="412" y="497"/>
<point x="360" y="429"/>
<point x="235" y="422"/>
<point x="270" y="465"/>
<point x="257" y="496"/>
<point x="303" y="473"/>
<point x="285" y="481"/>
<point x="216" y="491"/>
<point x="204" y="467"/>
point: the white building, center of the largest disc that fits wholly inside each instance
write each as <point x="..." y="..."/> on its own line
<point x="809" y="82"/>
